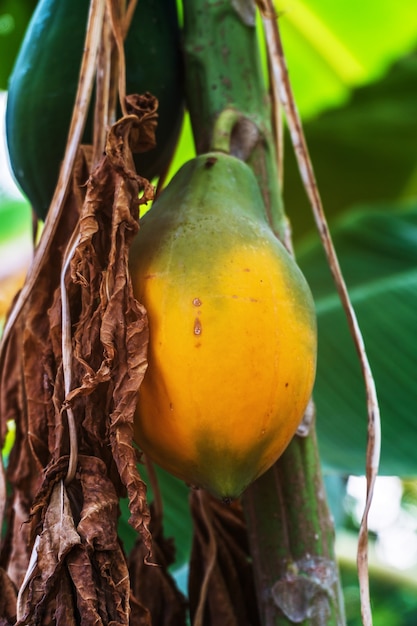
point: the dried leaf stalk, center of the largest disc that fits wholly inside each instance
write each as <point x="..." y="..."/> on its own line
<point x="221" y="587"/>
<point x="283" y="92"/>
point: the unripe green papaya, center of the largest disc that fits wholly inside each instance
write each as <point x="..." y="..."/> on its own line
<point x="232" y="347"/>
<point x="44" y="82"/>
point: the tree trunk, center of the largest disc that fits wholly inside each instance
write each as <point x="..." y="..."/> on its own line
<point x="290" y="529"/>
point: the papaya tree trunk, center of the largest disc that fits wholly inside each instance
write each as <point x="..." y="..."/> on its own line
<point x="223" y="71"/>
<point x="290" y="529"/>
<point x="292" y="541"/>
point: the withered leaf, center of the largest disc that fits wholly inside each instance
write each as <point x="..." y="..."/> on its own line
<point x="100" y="506"/>
<point x="64" y="613"/>
<point x="221" y="586"/>
<point x="139" y="615"/>
<point x="55" y="541"/>
<point x="8" y="596"/>
<point x="144" y="107"/>
<point x="79" y="570"/>
<point x="153" y="585"/>
<point x="115" y="333"/>
<point x="28" y="375"/>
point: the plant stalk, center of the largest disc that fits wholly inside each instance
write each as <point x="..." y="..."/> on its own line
<point x="291" y="536"/>
<point x="223" y="71"/>
<point x="290" y="529"/>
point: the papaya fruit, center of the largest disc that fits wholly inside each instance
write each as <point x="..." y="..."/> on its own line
<point x="44" y="81"/>
<point x="232" y="330"/>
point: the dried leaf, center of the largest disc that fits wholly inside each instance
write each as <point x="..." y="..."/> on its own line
<point x="100" y="506"/>
<point x="64" y="611"/>
<point x="139" y="615"/>
<point x="28" y="381"/>
<point x="153" y="585"/>
<point x="144" y="107"/>
<point x="221" y="587"/>
<point x="70" y="369"/>
<point x="282" y="91"/>
<point x="111" y="338"/>
<point x="8" y="597"/>
<point x="55" y="541"/>
<point x="78" y="566"/>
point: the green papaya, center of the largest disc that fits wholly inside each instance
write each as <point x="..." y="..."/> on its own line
<point x="232" y="330"/>
<point x="44" y="81"/>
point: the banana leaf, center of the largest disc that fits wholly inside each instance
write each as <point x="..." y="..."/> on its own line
<point x="377" y="250"/>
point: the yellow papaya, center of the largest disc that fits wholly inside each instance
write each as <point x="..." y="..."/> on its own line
<point x="232" y="348"/>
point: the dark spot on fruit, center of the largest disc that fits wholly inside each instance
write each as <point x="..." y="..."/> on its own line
<point x="197" y="345"/>
<point x="210" y="161"/>
<point x="197" y="327"/>
<point x="246" y="269"/>
<point x="227" y="500"/>
<point x="171" y="406"/>
<point x="286" y="384"/>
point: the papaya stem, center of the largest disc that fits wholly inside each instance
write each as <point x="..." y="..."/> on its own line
<point x="235" y="134"/>
<point x="222" y="130"/>
<point x="291" y="536"/>
<point x="223" y="71"/>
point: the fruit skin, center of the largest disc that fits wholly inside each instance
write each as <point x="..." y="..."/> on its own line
<point x="44" y="82"/>
<point x="232" y="349"/>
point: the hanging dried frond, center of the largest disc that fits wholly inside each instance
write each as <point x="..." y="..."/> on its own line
<point x="154" y="586"/>
<point x="82" y="325"/>
<point x="221" y="586"/>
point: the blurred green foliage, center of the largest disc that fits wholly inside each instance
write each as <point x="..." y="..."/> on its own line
<point x="14" y="17"/>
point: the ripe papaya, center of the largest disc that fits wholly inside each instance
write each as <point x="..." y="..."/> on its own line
<point x="232" y="346"/>
<point x="44" y="81"/>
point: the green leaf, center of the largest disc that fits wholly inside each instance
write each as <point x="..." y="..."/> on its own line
<point x="15" y="219"/>
<point x="378" y="254"/>
<point x="332" y="47"/>
<point x="14" y="17"/>
<point x="363" y="152"/>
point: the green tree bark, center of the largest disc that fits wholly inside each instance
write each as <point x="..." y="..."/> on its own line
<point x="223" y="70"/>
<point x="290" y="529"/>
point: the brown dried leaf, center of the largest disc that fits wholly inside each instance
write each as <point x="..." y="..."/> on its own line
<point x="139" y="615"/>
<point x="8" y="597"/>
<point x="144" y="107"/>
<point x="111" y="338"/>
<point x="64" y="610"/>
<point x="221" y="586"/>
<point x="153" y="585"/>
<point x="100" y="506"/>
<point x="55" y="541"/>
<point x="28" y="378"/>
<point x="79" y="568"/>
<point x="101" y="584"/>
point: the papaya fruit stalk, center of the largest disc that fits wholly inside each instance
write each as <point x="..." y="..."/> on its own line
<point x="289" y="524"/>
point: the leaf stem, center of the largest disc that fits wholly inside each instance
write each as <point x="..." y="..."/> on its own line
<point x="223" y="71"/>
<point x="310" y="184"/>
